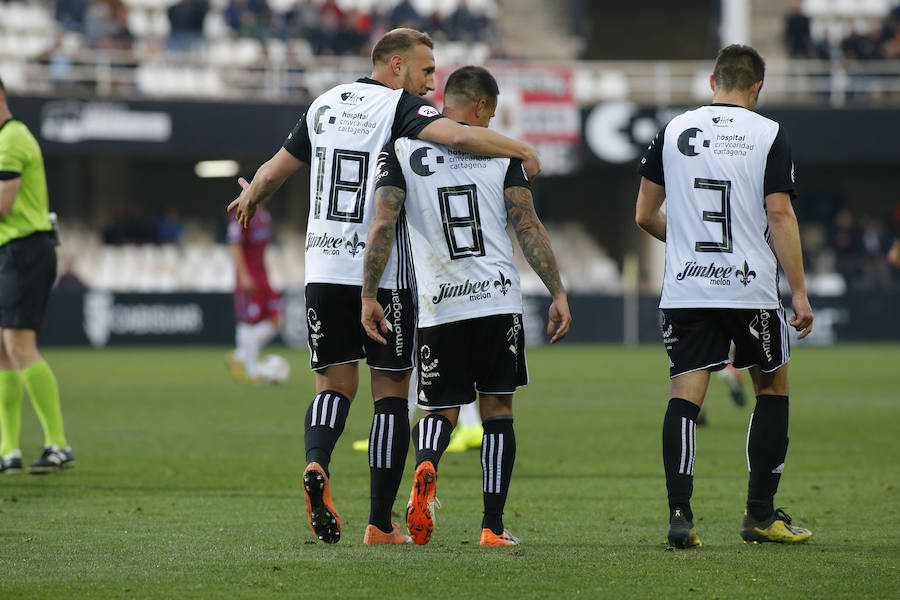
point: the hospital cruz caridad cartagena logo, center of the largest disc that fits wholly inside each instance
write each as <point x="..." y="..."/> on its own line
<point x="691" y="140"/>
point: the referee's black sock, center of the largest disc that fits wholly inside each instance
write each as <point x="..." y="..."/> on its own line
<point x="679" y="447"/>
<point x="325" y="420"/>
<point x="431" y="436"/>
<point x="388" y="446"/>
<point x="498" y="455"/>
<point x="767" y="442"/>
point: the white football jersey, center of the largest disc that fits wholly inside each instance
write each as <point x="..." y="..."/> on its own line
<point x="718" y="163"/>
<point x="340" y="137"/>
<point x="455" y="210"/>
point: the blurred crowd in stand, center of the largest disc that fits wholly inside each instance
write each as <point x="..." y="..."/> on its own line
<point x="853" y="245"/>
<point x="861" y="245"/>
<point x="856" y="38"/>
<point x="324" y="24"/>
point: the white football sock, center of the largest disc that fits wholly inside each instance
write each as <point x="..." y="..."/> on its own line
<point x="413" y="395"/>
<point x="250" y="340"/>
<point x="263" y="332"/>
<point x="243" y="339"/>
<point x="468" y="415"/>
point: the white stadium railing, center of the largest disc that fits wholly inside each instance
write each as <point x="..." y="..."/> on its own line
<point x="238" y="73"/>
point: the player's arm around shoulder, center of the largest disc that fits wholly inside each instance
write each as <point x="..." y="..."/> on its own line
<point x="648" y="213"/>
<point x="480" y="140"/>
<point x="535" y="244"/>
<point x="786" y="241"/>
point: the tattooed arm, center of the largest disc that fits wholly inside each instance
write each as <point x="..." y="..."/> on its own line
<point x="379" y="244"/>
<point x="535" y="246"/>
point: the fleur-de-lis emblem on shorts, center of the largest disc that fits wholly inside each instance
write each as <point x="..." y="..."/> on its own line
<point x="355" y="245"/>
<point x="503" y="284"/>
<point x="745" y="276"/>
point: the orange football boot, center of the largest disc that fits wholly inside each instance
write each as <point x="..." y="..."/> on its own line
<point x="376" y="536"/>
<point x="323" y="517"/>
<point x="420" y="511"/>
<point x="489" y="538"/>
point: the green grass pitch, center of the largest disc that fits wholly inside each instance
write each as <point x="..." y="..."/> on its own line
<point x="187" y="486"/>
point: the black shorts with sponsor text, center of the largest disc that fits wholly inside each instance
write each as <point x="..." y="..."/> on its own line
<point x="700" y="338"/>
<point x="27" y="273"/>
<point x="335" y="334"/>
<point x="458" y="359"/>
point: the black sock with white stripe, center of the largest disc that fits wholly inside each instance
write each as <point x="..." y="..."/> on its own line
<point x="679" y="444"/>
<point x="430" y="436"/>
<point x="498" y="455"/>
<point x="325" y="420"/>
<point x="767" y="442"/>
<point x="388" y="446"/>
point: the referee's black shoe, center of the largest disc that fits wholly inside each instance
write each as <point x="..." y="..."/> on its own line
<point x="53" y="458"/>
<point x="11" y="462"/>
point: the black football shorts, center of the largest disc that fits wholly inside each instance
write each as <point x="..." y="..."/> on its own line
<point x="458" y="359"/>
<point x="27" y="273"/>
<point x="335" y="334"/>
<point x="700" y="338"/>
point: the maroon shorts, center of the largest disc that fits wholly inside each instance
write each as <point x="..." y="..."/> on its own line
<point x="260" y="304"/>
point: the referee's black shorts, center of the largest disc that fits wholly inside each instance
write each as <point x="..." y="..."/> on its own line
<point x="27" y="273"/>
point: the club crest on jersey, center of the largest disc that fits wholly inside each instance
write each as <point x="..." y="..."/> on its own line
<point x="428" y="111"/>
<point x="355" y="246"/>
<point x="722" y="121"/>
<point x="503" y="284"/>
<point x="421" y="162"/>
<point x="351" y="98"/>
<point x="745" y="275"/>
<point x="691" y="141"/>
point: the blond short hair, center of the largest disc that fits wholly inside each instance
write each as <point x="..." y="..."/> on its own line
<point x="399" y="41"/>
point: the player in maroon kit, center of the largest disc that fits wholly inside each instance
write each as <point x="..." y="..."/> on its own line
<point x="257" y="307"/>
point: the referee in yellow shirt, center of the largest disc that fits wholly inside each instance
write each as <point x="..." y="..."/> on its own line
<point x="27" y="272"/>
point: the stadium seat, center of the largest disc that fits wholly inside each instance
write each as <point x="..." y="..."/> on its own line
<point x="13" y="73"/>
<point x="139" y="23"/>
<point x="214" y="25"/>
<point x="203" y="265"/>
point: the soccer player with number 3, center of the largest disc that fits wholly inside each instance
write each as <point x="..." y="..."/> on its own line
<point x="340" y="137"/>
<point x="726" y="175"/>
